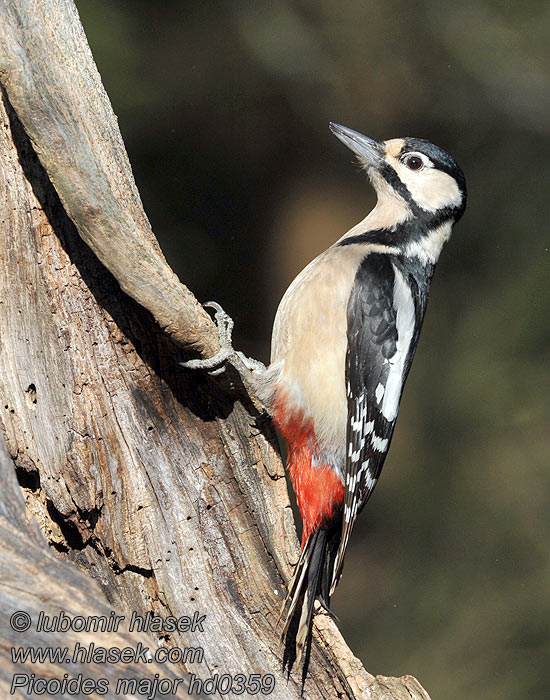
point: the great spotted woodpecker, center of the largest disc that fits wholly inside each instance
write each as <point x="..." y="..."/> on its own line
<point x="344" y="338"/>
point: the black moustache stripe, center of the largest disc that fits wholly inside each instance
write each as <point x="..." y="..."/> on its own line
<point x="408" y="231"/>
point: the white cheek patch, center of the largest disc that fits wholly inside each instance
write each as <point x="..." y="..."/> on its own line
<point x="431" y="189"/>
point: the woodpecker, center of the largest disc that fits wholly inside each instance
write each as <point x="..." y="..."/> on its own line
<point x="344" y="337"/>
<point x="343" y="341"/>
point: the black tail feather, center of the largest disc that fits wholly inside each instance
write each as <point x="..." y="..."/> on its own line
<point x="312" y="581"/>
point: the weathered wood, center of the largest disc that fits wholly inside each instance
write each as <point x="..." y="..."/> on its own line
<point x="56" y="90"/>
<point x="163" y="484"/>
<point x="57" y="587"/>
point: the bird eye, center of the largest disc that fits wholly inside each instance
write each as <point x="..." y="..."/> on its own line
<point x="414" y="162"/>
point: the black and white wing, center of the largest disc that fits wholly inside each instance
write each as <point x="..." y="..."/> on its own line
<point x="385" y="312"/>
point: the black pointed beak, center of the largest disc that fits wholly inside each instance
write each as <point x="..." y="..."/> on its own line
<point x="369" y="150"/>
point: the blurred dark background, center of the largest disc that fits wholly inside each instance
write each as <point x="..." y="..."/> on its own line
<point x="224" y="109"/>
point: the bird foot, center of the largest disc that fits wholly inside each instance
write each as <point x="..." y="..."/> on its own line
<point x="216" y="365"/>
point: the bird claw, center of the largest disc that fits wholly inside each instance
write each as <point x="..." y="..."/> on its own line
<point x="250" y="363"/>
<point x="224" y="322"/>
<point x="211" y="364"/>
<point x="216" y="365"/>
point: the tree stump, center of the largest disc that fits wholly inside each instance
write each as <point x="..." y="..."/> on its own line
<point x="163" y="485"/>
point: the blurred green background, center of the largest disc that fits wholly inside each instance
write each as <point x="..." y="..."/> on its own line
<point x="224" y="109"/>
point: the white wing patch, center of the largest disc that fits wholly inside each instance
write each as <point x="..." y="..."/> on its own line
<point x="403" y="304"/>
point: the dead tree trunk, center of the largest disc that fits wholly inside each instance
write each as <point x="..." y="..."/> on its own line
<point x="163" y="485"/>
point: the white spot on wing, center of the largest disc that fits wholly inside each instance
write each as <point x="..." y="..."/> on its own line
<point x="379" y="392"/>
<point x="358" y="420"/>
<point x="403" y="303"/>
<point x="379" y="444"/>
<point x="369" y="482"/>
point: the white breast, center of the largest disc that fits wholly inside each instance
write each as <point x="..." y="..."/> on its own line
<point x="310" y="339"/>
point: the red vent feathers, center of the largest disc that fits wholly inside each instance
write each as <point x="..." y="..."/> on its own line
<point x="319" y="492"/>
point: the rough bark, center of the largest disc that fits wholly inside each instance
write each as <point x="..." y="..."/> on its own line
<point x="164" y="485"/>
<point x="57" y="585"/>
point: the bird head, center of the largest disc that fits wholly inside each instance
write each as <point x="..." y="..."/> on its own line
<point x="427" y="178"/>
